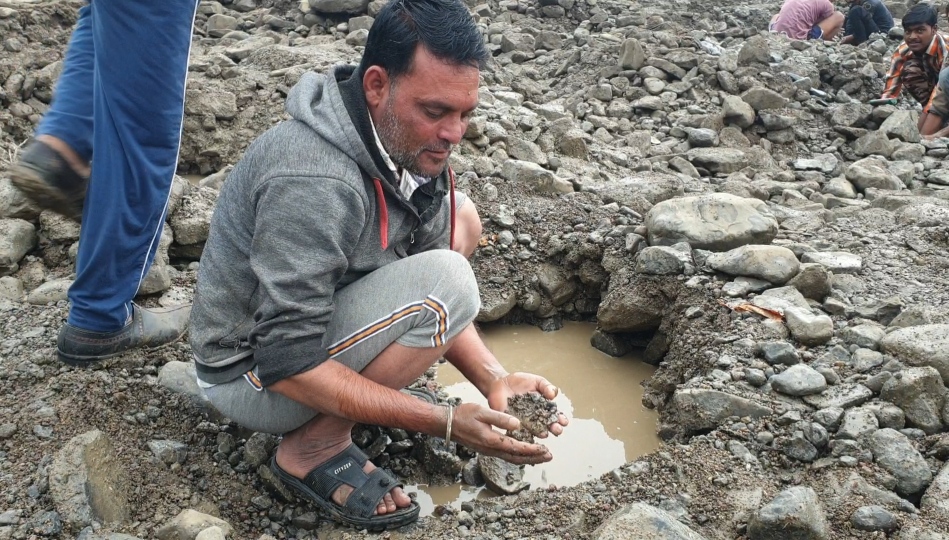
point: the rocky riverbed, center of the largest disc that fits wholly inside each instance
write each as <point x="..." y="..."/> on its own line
<point x="720" y="195"/>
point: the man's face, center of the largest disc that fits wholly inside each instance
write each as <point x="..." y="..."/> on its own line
<point x="425" y="113"/>
<point x="918" y="37"/>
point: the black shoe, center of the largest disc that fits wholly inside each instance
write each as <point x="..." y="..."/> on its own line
<point x="48" y="181"/>
<point x="147" y="330"/>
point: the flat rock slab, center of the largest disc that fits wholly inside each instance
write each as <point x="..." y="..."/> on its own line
<point x="642" y="521"/>
<point x="838" y="262"/>
<point x="926" y="345"/>
<point x="716" y="222"/>
<point x="502" y="477"/>
<point x="718" y="160"/>
<point x="774" y="264"/>
<point x="701" y="408"/>
<point x="842" y="396"/>
<point x="825" y="163"/>
<point x="88" y="483"/>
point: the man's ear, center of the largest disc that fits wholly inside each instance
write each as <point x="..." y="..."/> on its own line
<point x="375" y="84"/>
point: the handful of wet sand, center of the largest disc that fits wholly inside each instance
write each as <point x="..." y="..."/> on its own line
<point x="535" y="412"/>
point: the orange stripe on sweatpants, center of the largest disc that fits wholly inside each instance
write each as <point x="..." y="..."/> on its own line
<point x="441" y="315"/>
<point x="375" y="328"/>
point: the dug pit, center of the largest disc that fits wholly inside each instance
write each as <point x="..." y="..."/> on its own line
<point x="600" y="394"/>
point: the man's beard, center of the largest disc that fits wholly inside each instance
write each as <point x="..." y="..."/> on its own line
<point x="394" y="139"/>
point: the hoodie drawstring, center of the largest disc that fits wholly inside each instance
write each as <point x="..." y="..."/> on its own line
<point x="384" y="211"/>
<point x="451" y="201"/>
<point x="383" y="214"/>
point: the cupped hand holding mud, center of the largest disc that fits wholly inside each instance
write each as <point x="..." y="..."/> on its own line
<point x="473" y="426"/>
<point x="520" y="383"/>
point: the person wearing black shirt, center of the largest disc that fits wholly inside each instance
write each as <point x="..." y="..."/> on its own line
<point x="864" y="18"/>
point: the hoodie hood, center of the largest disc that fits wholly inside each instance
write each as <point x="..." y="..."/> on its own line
<point x="329" y="104"/>
<point x="333" y="105"/>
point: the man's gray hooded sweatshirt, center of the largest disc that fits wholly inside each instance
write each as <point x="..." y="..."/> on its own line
<point x="310" y="208"/>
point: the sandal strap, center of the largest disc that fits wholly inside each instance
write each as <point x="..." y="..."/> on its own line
<point x="365" y="498"/>
<point x="343" y="468"/>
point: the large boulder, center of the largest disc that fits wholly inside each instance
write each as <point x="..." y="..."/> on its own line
<point x="716" y="222"/>
<point x="902" y="125"/>
<point x="921" y="394"/>
<point x="793" y="514"/>
<point x="895" y="453"/>
<point x="926" y="345"/>
<point x="775" y="264"/>
<point x="874" y="173"/>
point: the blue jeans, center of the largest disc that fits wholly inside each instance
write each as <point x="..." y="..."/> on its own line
<point x="119" y="103"/>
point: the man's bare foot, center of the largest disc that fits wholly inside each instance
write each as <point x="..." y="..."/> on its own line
<point x="77" y="163"/>
<point x="299" y="466"/>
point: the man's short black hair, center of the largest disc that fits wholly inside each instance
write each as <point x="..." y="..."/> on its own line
<point x="444" y="27"/>
<point x="920" y="14"/>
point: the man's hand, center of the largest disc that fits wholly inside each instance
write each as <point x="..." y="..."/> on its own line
<point x="473" y="425"/>
<point x="523" y="383"/>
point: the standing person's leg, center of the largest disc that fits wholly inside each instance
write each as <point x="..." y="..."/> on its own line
<point x="141" y="66"/>
<point x="53" y="169"/>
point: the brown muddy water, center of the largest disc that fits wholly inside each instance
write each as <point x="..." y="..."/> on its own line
<point x="601" y="396"/>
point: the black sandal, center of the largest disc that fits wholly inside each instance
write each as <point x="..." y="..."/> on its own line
<point x="369" y="489"/>
<point x="45" y="177"/>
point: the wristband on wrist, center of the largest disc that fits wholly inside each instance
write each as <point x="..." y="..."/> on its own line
<point x="451" y="417"/>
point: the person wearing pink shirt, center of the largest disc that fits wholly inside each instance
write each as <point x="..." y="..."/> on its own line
<point x="808" y="19"/>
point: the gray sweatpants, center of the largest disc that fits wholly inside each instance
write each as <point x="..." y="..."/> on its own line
<point x="421" y="301"/>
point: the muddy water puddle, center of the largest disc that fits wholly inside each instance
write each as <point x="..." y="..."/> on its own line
<point x="600" y="394"/>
